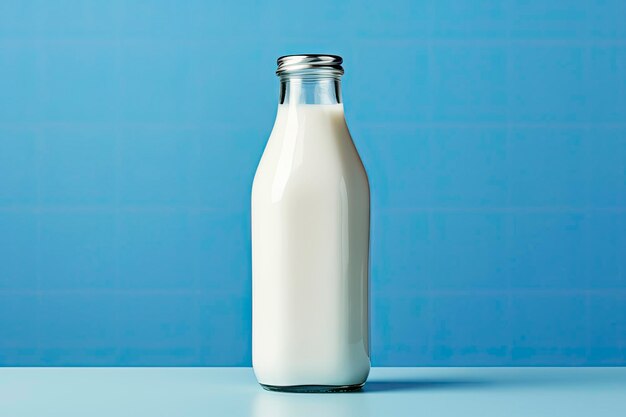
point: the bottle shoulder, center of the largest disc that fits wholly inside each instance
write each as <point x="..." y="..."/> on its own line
<point x="338" y="157"/>
<point x="287" y="177"/>
<point x="310" y="146"/>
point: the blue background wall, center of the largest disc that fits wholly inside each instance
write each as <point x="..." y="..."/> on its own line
<point x="494" y="134"/>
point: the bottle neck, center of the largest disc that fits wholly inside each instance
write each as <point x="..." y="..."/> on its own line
<point x="310" y="90"/>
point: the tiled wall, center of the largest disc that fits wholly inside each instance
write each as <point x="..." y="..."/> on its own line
<point x="494" y="134"/>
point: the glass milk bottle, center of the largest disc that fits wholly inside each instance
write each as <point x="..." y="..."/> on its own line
<point x="310" y="239"/>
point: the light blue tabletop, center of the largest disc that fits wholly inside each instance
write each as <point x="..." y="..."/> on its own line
<point x="390" y="392"/>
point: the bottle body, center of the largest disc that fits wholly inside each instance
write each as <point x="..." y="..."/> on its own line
<point x="310" y="250"/>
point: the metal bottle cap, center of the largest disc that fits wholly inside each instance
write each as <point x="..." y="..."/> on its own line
<point x="298" y="63"/>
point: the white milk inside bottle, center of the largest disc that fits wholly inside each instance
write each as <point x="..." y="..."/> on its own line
<point x="310" y="239"/>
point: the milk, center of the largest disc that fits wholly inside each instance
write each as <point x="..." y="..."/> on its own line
<point x="310" y="244"/>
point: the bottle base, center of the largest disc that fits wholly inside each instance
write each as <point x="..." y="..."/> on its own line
<point x="314" y="388"/>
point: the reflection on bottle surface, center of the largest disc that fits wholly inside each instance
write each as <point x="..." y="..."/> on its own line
<point x="273" y="404"/>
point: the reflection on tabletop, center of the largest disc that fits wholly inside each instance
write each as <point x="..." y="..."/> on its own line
<point x="277" y="404"/>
